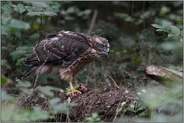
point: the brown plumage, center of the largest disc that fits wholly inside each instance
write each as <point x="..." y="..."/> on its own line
<point x="65" y="53"/>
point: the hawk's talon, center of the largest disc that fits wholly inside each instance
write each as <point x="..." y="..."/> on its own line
<point x="73" y="90"/>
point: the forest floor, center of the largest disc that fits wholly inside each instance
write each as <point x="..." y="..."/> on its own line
<point x="105" y="101"/>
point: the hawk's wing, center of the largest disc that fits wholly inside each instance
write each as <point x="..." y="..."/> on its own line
<point x="59" y="49"/>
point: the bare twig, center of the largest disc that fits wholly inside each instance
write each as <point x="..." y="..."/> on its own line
<point x="113" y="81"/>
<point x="116" y="114"/>
<point x="92" y="21"/>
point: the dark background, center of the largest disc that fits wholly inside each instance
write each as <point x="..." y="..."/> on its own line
<point x="134" y="42"/>
<point x="127" y="25"/>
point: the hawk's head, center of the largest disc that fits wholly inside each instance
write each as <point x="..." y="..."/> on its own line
<point x="101" y="45"/>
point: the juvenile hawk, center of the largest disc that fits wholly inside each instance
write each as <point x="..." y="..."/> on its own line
<point x="65" y="53"/>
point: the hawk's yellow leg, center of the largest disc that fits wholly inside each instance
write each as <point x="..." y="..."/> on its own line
<point x="72" y="89"/>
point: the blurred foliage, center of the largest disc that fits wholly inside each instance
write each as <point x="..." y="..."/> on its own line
<point x="10" y="106"/>
<point x="24" y="115"/>
<point x="172" y="31"/>
<point x="94" y="118"/>
<point x="127" y="26"/>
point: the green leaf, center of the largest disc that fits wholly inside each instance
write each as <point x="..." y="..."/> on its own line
<point x="124" y="16"/>
<point x="23" y="115"/>
<point x="175" y="30"/>
<point x="3" y="80"/>
<point x="90" y="119"/>
<point x="4" y="30"/>
<point x="157" y="26"/>
<point x="159" y="30"/>
<point x="18" y="24"/>
<point x="5" y="63"/>
<point x="6" y="112"/>
<point x="94" y="115"/>
<point x="6" y="9"/>
<point x="53" y="7"/>
<point x="5" y="96"/>
<point x="17" y="54"/>
<point x="164" y="10"/>
<point x="16" y="32"/>
<point x="40" y="4"/>
<point x="171" y="35"/>
<point x="19" y="61"/>
<point x="54" y="101"/>
<point x="166" y="26"/>
<point x="47" y="90"/>
<point x="61" y="108"/>
<point x="85" y="12"/>
<point x="29" y="8"/>
<point x="41" y="13"/>
<point x="19" y="8"/>
<point x="49" y="13"/>
<point x="6" y="20"/>
<point x="23" y="83"/>
<point x="20" y="53"/>
<point x="31" y="115"/>
<point x="98" y="119"/>
<point x="38" y="114"/>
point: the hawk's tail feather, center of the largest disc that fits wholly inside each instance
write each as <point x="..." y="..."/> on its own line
<point x="26" y="73"/>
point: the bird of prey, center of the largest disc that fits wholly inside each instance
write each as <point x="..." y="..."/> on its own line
<point x="65" y="53"/>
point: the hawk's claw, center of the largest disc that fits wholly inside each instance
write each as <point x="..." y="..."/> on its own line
<point x="77" y="90"/>
<point x="73" y="91"/>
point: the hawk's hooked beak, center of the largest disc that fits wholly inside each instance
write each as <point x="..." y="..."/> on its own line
<point x="106" y="52"/>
